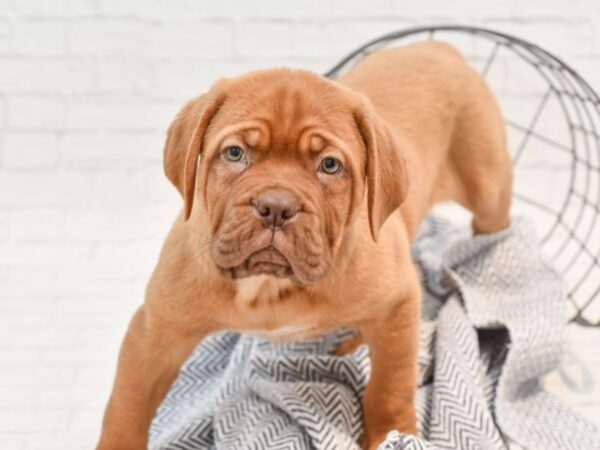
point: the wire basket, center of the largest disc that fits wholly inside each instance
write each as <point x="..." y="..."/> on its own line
<point x="553" y="123"/>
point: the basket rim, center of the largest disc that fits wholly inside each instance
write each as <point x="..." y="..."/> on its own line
<point x="519" y="45"/>
<point x="530" y="46"/>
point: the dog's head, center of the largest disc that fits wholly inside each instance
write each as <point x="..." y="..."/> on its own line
<point x="279" y="161"/>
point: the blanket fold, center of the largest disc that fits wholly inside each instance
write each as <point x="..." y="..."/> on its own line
<point x="493" y="325"/>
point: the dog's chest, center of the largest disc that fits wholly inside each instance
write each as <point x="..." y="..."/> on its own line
<point x="260" y="290"/>
<point x="273" y="308"/>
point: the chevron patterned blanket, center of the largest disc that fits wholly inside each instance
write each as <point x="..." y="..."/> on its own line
<point x="493" y="324"/>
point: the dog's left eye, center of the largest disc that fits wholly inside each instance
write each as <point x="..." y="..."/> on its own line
<point x="233" y="153"/>
<point x="331" y="166"/>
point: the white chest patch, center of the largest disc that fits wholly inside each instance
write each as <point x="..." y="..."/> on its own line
<point x="261" y="295"/>
<point x="260" y="288"/>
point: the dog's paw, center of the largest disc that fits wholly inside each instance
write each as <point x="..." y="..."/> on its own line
<point x="369" y="442"/>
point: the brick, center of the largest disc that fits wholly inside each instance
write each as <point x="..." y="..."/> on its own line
<point x="119" y="190"/>
<point x="88" y="420"/>
<point x="38" y="224"/>
<point x="109" y="273"/>
<point x="35" y="112"/>
<point x="102" y="306"/>
<point x="104" y="224"/>
<point x="232" y="9"/>
<point x="18" y="282"/>
<point x="31" y="422"/>
<point x="432" y="11"/>
<point x="78" y="357"/>
<point x="124" y="261"/>
<point x="118" y="112"/>
<point x="30" y="150"/>
<point x="588" y="68"/>
<point x="327" y="42"/>
<point x="26" y="305"/>
<point x="108" y="151"/>
<point x="19" y="397"/>
<point x="356" y="8"/>
<point x="275" y="9"/>
<point x="585" y="9"/>
<point x="159" y="190"/>
<point x="6" y="40"/>
<point x="35" y="321"/>
<point x="18" y="357"/>
<point x="49" y="337"/>
<point x="191" y="38"/>
<point x="4" y="227"/>
<point x="51" y="440"/>
<point x="116" y="254"/>
<point x="186" y="78"/>
<point x="334" y="40"/>
<point x="81" y="8"/>
<point x="124" y="74"/>
<point x="46" y="75"/>
<point x="264" y="39"/>
<point x="40" y="37"/>
<point x="22" y="377"/>
<point x="41" y="256"/>
<point x="182" y="79"/>
<point x="82" y="287"/>
<point x="41" y="441"/>
<point x="562" y="38"/>
<point x="37" y="8"/>
<point x="223" y="10"/>
<point x="115" y="36"/>
<point x="542" y="8"/>
<point x="3" y="120"/>
<point x="150" y="8"/>
<point x="14" y="441"/>
<point x="47" y="189"/>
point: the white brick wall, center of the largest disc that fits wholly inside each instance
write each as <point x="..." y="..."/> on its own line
<point x="87" y="90"/>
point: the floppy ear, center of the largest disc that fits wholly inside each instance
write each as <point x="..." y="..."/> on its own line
<point x="184" y="144"/>
<point x="387" y="178"/>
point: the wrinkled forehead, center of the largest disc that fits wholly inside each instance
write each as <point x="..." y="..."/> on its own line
<point x="284" y="107"/>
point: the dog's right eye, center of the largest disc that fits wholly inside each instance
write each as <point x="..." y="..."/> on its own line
<point x="331" y="166"/>
<point x="233" y="153"/>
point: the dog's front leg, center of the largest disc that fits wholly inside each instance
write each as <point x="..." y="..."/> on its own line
<point x="393" y="345"/>
<point x="151" y="355"/>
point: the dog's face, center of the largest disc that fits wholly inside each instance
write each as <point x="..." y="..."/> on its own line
<point x="278" y="161"/>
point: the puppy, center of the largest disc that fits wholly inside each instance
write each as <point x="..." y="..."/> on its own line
<point x="302" y="196"/>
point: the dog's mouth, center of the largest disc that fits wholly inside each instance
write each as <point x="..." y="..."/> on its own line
<point x="267" y="261"/>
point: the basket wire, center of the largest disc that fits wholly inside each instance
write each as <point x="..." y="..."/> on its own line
<point x="569" y="224"/>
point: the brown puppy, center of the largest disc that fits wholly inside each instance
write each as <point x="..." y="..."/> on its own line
<point x="302" y="197"/>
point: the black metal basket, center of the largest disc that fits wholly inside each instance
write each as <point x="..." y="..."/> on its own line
<point x="553" y="122"/>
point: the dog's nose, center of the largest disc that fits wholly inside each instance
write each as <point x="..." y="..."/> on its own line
<point x="275" y="208"/>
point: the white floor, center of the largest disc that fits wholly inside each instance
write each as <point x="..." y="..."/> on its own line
<point x="581" y="366"/>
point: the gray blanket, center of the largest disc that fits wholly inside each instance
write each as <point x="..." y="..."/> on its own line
<point x="493" y="324"/>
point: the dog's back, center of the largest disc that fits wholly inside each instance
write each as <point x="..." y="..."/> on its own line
<point x="420" y="84"/>
<point x="436" y="101"/>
